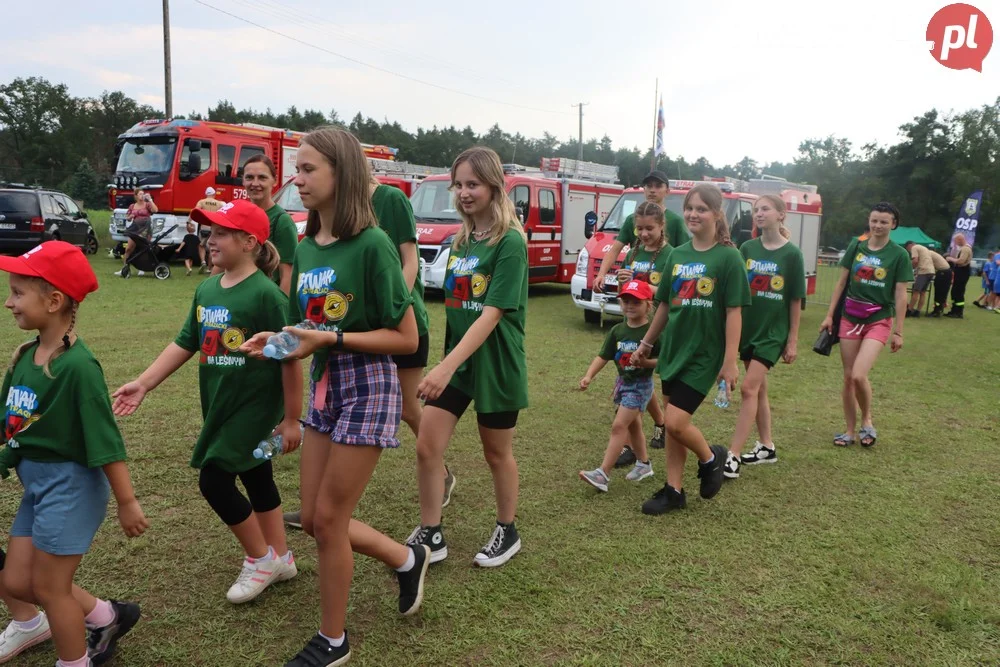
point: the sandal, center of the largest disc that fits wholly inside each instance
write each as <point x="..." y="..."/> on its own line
<point x="867" y="433"/>
<point x="843" y="440"/>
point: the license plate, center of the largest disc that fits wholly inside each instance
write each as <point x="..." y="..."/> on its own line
<point x="611" y="280"/>
<point x="8" y="225"/>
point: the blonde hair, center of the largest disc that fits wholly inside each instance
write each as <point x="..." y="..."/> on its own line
<point x="265" y="255"/>
<point x="712" y="198"/>
<point x="47" y="288"/>
<point x="352" y="203"/>
<point x="779" y="205"/>
<point x="649" y="209"/>
<point x="487" y="168"/>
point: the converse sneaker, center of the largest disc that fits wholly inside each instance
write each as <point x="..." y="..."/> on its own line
<point x="321" y="653"/>
<point x="640" y="472"/>
<point x="101" y="642"/>
<point x="665" y="500"/>
<point x="657" y="441"/>
<point x="732" y="468"/>
<point x="411" y="582"/>
<point x="432" y="538"/>
<point x="760" y="453"/>
<point x="15" y="641"/>
<point x="449" y="486"/>
<point x="256" y="575"/>
<point x="711" y="474"/>
<point x="293" y="519"/>
<point x="502" y="546"/>
<point x="596" y="478"/>
<point x="626" y="458"/>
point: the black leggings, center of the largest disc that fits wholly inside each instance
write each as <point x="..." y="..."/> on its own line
<point x="219" y="489"/>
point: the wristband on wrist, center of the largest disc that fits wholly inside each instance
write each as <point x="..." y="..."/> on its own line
<point x="340" y="340"/>
<point x="643" y="342"/>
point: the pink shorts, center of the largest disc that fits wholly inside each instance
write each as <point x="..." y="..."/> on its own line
<point x="879" y="330"/>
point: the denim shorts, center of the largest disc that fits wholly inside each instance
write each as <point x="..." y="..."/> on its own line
<point x="357" y="401"/>
<point x="63" y="506"/>
<point x="633" y="394"/>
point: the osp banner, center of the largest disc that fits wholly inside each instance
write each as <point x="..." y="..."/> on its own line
<point x="968" y="218"/>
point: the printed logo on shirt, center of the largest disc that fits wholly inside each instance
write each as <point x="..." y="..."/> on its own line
<point x="335" y="306"/>
<point x="318" y="300"/>
<point x="479" y="283"/>
<point x="21" y="405"/>
<point x="465" y="284"/>
<point x="867" y="270"/>
<point x="218" y="337"/>
<point x="623" y="357"/>
<point x="690" y="281"/>
<point x="644" y="271"/>
<point x="765" y="281"/>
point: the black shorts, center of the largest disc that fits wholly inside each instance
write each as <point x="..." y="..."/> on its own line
<point x="417" y="359"/>
<point x="454" y="401"/>
<point x="682" y="396"/>
<point x="748" y="355"/>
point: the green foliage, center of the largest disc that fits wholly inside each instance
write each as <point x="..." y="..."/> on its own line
<point x="85" y="186"/>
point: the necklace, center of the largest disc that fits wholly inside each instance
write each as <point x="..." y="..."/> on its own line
<point x="479" y="236"/>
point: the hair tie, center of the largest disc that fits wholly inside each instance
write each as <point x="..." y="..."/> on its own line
<point x="66" y="342"/>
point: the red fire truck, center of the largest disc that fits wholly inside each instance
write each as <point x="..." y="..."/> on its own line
<point x="802" y="220"/>
<point x="552" y="202"/>
<point x="176" y="160"/>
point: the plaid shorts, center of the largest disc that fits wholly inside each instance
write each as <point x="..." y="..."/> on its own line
<point x="357" y="401"/>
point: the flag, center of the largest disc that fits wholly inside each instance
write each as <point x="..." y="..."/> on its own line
<point x="968" y="218"/>
<point x="658" y="149"/>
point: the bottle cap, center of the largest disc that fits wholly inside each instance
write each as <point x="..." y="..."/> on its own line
<point x="258" y="453"/>
<point x="270" y="351"/>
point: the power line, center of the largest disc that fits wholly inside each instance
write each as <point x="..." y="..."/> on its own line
<point x="375" y="67"/>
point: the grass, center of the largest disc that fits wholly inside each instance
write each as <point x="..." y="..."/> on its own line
<point x="832" y="557"/>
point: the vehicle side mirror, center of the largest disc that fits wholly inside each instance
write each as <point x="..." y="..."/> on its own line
<point x="193" y="165"/>
<point x="520" y="214"/>
<point x="589" y="224"/>
<point x="81" y="215"/>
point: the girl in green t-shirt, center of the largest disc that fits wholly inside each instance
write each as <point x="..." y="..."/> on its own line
<point x="60" y="434"/>
<point x="485" y="299"/>
<point x="876" y="273"/>
<point x="241" y="399"/>
<point x="701" y="296"/>
<point x="776" y="272"/>
<point x="347" y="281"/>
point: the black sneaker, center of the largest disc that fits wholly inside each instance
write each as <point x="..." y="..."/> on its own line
<point x="665" y="500"/>
<point x="503" y="545"/>
<point x="759" y="454"/>
<point x="711" y="474"/>
<point x="101" y="642"/>
<point x="626" y="458"/>
<point x="319" y="653"/>
<point x="432" y="538"/>
<point x="449" y="486"/>
<point x="411" y="582"/>
<point x="732" y="468"/>
<point x="658" y="438"/>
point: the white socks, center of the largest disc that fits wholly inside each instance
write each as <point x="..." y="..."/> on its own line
<point x="408" y="565"/>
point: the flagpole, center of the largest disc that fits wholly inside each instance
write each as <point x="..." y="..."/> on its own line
<point x="656" y="95"/>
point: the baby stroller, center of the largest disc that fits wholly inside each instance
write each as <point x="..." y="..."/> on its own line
<point x="148" y="256"/>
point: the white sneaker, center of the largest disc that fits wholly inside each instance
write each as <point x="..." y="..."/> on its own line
<point x="14" y="640"/>
<point x="118" y="273"/>
<point x="140" y="273"/>
<point x="287" y="569"/>
<point x="640" y="471"/>
<point x="255" y="576"/>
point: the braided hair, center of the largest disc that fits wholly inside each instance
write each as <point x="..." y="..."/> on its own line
<point x="47" y="289"/>
<point x="648" y="209"/>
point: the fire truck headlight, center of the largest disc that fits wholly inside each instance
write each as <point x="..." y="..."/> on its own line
<point x="581" y="263"/>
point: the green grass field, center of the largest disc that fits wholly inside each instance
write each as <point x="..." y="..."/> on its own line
<point x="832" y="557"/>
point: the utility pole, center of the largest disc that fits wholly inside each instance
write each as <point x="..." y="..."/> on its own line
<point x="579" y="149"/>
<point x="168" y="93"/>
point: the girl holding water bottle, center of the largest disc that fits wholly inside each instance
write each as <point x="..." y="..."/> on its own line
<point x="347" y="280"/>
<point x="701" y="297"/>
<point x="241" y="398"/>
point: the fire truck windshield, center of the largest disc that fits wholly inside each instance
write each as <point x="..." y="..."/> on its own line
<point x="628" y="202"/>
<point x="147" y="155"/>
<point x="433" y="201"/>
<point x="288" y="198"/>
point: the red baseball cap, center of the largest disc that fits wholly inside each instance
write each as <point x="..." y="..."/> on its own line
<point x="58" y="263"/>
<point x="240" y="215"/>
<point x="640" y="289"/>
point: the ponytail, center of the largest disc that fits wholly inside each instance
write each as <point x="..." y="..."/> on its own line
<point x="722" y="231"/>
<point x="266" y="258"/>
<point x="785" y="234"/>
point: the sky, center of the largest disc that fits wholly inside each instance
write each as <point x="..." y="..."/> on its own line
<point x="737" y="78"/>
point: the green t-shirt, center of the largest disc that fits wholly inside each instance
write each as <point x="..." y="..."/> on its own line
<point x="619" y="345"/>
<point x="241" y="398"/>
<point x="395" y="216"/>
<point x="873" y="275"/>
<point x="647" y="265"/>
<point x="63" y="418"/>
<point x="480" y="275"/>
<point x="284" y="236"/>
<point x="776" y="277"/>
<point x="675" y="229"/>
<point x="353" y="284"/>
<point x="699" y="287"/>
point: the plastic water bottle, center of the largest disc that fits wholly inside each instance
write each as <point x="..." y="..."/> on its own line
<point x="273" y="446"/>
<point x="281" y="344"/>
<point x="722" y="398"/>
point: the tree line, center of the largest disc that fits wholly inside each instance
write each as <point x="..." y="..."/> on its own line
<point x="51" y="138"/>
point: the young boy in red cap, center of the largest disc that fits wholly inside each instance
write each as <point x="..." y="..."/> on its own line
<point x="62" y="438"/>
<point x="633" y="389"/>
<point x="242" y="399"/>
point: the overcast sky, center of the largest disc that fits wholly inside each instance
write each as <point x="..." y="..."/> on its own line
<point x="737" y="78"/>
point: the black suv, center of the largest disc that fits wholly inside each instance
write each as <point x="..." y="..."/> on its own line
<point x="29" y="216"/>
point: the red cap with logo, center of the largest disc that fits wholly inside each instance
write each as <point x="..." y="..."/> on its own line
<point x="640" y="289"/>
<point x="58" y="263"/>
<point x="240" y="215"/>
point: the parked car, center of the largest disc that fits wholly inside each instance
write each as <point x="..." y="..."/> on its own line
<point x="29" y="216"/>
<point x="977" y="265"/>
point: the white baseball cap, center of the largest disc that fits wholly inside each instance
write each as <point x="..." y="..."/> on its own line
<point x="209" y="191"/>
